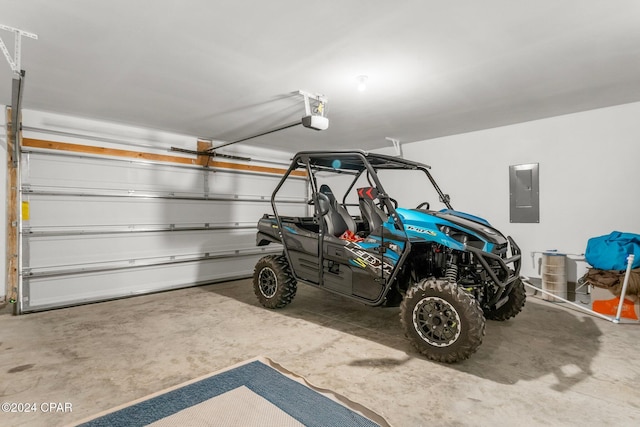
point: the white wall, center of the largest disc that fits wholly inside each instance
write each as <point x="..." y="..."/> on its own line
<point x="589" y="177"/>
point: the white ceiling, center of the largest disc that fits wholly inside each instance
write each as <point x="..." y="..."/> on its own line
<point x="227" y="69"/>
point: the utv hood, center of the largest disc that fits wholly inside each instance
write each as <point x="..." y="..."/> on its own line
<point x="477" y="225"/>
<point x="460" y="221"/>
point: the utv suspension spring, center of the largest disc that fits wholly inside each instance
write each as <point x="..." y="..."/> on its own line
<point x="452" y="273"/>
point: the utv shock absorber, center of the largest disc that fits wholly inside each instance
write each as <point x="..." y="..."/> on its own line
<point x="452" y="273"/>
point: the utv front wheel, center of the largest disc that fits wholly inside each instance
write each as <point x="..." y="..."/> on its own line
<point x="273" y="282"/>
<point x="442" y="321"/>
<point x="513" y="306"/>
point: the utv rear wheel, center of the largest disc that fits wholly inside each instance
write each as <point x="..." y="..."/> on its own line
<point x="442" y="321"/>
<point x="513" y="306"/>
<point x="273" y="282"/>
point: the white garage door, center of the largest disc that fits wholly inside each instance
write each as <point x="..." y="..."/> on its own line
<point x="97" y="227"/>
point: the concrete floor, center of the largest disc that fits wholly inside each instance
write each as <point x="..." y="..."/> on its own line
<point x="548" y="366"/>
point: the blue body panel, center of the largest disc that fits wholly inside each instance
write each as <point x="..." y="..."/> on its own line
<point x="422" y="225"/>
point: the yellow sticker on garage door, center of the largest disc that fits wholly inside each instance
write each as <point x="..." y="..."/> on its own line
<point x="25" y="211"/>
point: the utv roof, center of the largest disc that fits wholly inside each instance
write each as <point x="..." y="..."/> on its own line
<point x="353" y="160"/>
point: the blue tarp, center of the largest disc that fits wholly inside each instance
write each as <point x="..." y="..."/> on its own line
<point x="610" y="252"/>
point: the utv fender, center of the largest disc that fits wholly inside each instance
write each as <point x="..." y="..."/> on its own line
<point x="263" y="239"/>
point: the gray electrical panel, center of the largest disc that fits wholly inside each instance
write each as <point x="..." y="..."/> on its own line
<point x="524" y="193"/>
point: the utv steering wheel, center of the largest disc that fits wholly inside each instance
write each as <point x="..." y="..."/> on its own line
<point x="423" y="204"/>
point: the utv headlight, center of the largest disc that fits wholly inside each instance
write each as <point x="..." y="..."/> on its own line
<point x="489" y="231"/>
<point x="455" y="234"/>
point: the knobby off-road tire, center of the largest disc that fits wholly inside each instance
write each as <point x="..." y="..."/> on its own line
<point x="273" y="282"/>
<point x="513" y="306"/>
<point x="442" y="321"/>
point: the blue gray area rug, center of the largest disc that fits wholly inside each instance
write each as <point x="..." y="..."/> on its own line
<point x="258" y="392"/>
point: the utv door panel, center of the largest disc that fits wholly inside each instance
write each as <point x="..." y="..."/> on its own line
<point x="365" y="287"/>
<point x="337" y="277"/>
<point x="336" y="252"/>
<point x="351" y="270"/>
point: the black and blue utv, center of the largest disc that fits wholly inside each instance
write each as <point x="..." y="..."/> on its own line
<point x="447" y="270"/>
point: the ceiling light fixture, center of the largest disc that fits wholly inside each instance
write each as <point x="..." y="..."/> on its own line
<point x="362" y="83"/>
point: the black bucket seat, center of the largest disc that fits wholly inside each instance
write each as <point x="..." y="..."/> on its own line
<point x="337" y="219"/>
<point x="371" y="213"/>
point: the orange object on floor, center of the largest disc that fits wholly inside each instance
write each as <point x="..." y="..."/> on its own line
<point x="610" y="307"/>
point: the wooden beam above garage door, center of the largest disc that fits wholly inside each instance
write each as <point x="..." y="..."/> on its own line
<point x="201" y="160"/>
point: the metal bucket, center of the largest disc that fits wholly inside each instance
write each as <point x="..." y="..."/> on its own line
<point x="554" y="275"/>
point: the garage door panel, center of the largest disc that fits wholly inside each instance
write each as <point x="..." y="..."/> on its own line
<point x="48" y="251"/>
<point x="47" y="172"/>
<point x="88" y="211"/>
<point x="50" y="292"/>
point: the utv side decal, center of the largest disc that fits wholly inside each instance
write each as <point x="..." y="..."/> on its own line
<point x="368" y="259"/>
<point x="420" y="230"/>
<point x="358" y="262"/>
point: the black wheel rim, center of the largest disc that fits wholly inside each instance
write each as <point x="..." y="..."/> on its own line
<point x="436" y="321"/>
<point x="267" y="282"/>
